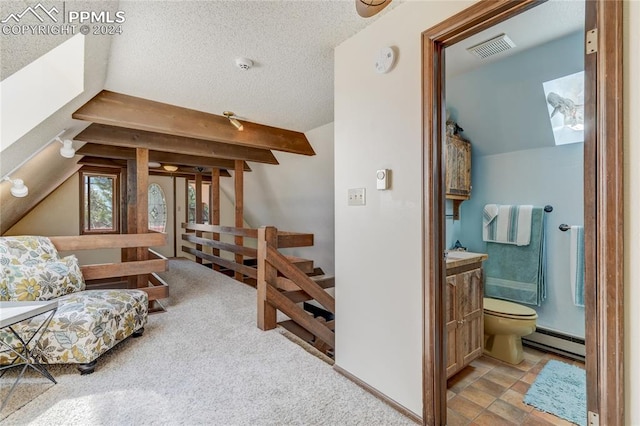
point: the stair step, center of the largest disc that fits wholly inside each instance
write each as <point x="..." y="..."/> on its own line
<point x="324" y="281"/>
<point x="305" y="265"/>
<point x="316" y="271"/>
<point x="299" y="331"/>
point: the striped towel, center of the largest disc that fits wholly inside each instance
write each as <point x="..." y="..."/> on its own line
<point x="518" y="273"/>
<point x="576" y="264"/>
<point x="507" y="224"/>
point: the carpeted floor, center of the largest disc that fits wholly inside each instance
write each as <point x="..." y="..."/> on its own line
<point x="204" y="362"/>
<point x="560" y="389"/>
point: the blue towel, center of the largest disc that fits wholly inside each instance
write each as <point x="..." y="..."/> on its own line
<point x="518" y="273"/>
<point x="576" y="264"/>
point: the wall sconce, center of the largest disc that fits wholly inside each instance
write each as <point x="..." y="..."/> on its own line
<point x="230" y="115"/>
<point x="18" y="188"/>
<point x="67" y="150"/>
<point x="170" y="168"/>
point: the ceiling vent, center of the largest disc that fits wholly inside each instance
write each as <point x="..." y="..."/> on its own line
<point x="492" y="47"/>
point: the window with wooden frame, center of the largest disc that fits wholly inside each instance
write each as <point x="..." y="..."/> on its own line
<point x="99" y="201"/>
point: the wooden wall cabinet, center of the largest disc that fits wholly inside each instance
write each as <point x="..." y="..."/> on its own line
<point x="457" y="171"/>
<point x="464" y="316"/>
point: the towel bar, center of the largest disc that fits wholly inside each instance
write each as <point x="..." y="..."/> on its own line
<point x="564" y="227"/>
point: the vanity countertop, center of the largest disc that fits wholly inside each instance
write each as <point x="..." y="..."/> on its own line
<point x="456" y="259"/>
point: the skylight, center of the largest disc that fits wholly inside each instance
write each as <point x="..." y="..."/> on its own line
<point x="31" y="95"/>
<point x="565" y="102"/>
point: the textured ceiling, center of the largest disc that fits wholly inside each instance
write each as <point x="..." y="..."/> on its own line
<point x="183" y="53"/>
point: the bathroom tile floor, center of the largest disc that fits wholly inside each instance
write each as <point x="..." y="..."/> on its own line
<point x="490" y="392"/>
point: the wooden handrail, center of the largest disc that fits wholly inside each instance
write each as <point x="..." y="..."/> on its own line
<point x="155" y="287"/>
<point x="282" y="293"/>
<point x="125" y="269"/>
<point x="283" y="239"/>
<point x="243" y="232"/>
<point x="226" y="263"/>
<point x="246" y="251"/>
<point x="93" y="242"/>
<point x="305" y="283"/>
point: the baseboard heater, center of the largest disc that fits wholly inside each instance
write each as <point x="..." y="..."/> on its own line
<point x="555" y="342"/>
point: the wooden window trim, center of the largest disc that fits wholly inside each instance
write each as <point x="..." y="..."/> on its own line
<point x="604" y="198"/>
<point x="117" y="201"/>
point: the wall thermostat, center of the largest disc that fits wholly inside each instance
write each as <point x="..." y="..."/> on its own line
<point x="385" y="60"/>
<point x="382" y="179"/>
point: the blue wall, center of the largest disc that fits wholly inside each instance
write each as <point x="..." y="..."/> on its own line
<point x="515" y="160"/>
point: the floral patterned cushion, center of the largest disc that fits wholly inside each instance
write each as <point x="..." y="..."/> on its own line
<point x="86" y="325"/>
<point x="41" y="281"/>
<point x="26" y="250"/>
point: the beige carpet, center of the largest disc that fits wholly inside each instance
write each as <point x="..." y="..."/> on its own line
<point x="202" y="362"/>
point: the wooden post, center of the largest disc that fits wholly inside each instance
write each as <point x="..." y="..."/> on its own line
<point x="175" y="215"/>
<point x="214" y="210"/>
<point x="142" y="208"/>
<point x="199" y="211"/>
<point x="137" y="210"/>
<point x="267" y="274"/>
<point x="239" y="190"/>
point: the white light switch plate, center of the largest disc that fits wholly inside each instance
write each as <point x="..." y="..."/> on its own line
<point x="357" y="197"/>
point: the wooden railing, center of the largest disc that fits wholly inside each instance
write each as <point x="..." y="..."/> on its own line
<point x="243" y="262"/>
<point x="281" y="285"/>
<point x="155" y="287"/>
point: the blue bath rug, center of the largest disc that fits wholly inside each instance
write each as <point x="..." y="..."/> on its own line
<point x="560" y="389"/>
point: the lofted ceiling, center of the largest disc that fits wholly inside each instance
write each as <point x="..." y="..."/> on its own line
<point x="548" y="21"/>
<point x="183" y="53"/>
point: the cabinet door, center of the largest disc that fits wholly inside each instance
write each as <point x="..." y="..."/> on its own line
<point x="469" y="289"/>
<point x="451" y="324"/>
<point x="457" y="168"/>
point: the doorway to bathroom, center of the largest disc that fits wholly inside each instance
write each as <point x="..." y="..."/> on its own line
<point x="602" y="163"/>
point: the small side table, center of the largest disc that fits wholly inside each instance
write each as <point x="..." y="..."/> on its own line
<point x="24" y="348"/>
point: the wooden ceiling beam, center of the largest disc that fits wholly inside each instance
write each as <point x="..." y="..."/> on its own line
<point x="181" y="172"/>
<point x="101" y="162"/>
<point x="121" y="153"/>
<point x="186" y="173"/>
<point x="131" y="138"/>
<point x="117" y="109"/>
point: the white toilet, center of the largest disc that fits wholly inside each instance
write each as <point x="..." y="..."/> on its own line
<point x="505" y="323"/>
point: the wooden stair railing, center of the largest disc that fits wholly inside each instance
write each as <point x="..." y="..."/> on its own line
<point x="155" y="287"/>
<point x="281" y="285"/>
<point x="241" y="262"/>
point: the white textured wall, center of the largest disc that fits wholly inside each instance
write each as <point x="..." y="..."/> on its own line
<point x="632" y="209"/>
<point x="59" y="214"/>
<point x="377" y="124"/>
<point x="378" y="246"/>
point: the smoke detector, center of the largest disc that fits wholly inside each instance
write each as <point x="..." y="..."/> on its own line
<point x="492" y="47"/>
<point x="244" y="63"/>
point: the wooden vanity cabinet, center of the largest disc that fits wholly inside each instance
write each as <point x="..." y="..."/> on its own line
<point x="464" y="316"/>
<point x="457" y="171"/>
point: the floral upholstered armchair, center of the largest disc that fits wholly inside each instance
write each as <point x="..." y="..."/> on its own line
<point x="87" y="323"/>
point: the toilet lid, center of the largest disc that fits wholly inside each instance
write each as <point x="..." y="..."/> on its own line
<point x="508" y="309"/>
